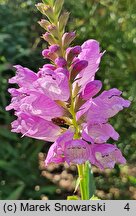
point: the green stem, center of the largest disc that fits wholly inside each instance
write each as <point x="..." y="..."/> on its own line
<point x="81" y="167"/>
<point x="82" y="182"/>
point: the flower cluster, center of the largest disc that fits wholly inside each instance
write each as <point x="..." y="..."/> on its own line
<point x="60" y="103"/>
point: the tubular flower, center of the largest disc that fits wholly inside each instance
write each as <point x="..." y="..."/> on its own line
<point x="61" y="103"/>
<point x="78" y="151"/>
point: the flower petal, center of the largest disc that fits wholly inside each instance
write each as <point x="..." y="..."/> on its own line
<point x="91" y="89"/>
<point x="105" y="155"/>
<point x="91" y="53"/>
<point x="76" y="151"/>
<point x="100" y="133"/>
<point x="36" y="127"/>
<point x="105" y="106"/>
<point x="56" y="151"/>
<point x="24" y="77"/>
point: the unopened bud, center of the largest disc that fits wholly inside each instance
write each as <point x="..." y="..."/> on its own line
<point x="68" y="38"/>
<point x="72" y="52"/>
<point x="46" y="10"/>
<point x="91" y="89"/>
<point x="49" y="38"/>
<point x="53" y="30"/>
<point x="77" y="67"/>
<point x="40" y="7"/>
<point x="44" y="23"/>
<point x="60" y="62"/>
<point x="48" y="2"/>
<point x="54" y="48"/>
<point x="47" y="54"/>
<point x="58" y="7"/>
<point x="63" y="21"/>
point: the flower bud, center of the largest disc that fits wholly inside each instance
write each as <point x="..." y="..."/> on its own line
<point x="77" y="67"/>
<point x="44" y="23"/>
<point x="72" y="52"/>
<point x="40" y="7"/>
<point x="54" y="48"/>
<point x="63" y="21"/>
<point x="91" y="89"/>
<point x="58" y="7"/>
<point x="53" y="30"/>
<point x="49" y="38"/>
<point x="47" y="54"/>
<point x="46" y="10"/>
<point x="60" y="62"/>
<point x="48" y="2"/>
<point x="68" y="38"/>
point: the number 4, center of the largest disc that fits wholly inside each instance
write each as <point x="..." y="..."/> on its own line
<point x="127" y="207"/>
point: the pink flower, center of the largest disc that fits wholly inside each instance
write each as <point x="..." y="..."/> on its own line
<point x="78" y="151"/>
<point x="35" y="127"/>
<point x="55" y="84"/>
<point x="106" y="105"/>
<point x="91" y="53"/>
<point x="106" y="155"/>
<point x="100" y="133"/>
<point x="36" y="99"/>
<point x="24" y="77"/>
<point x="44" y="111"/>
<point x="103" y="107"/>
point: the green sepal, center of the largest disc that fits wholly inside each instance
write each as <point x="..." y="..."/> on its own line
<point x="46" y="10"/>
<point x="72" y="198"/>
<point x="63" y="21"/>
<point x="58" y="7"/>
<point x="89" y="179"/>
<point x="77" y="184"/>
<point x="48" y="2"/>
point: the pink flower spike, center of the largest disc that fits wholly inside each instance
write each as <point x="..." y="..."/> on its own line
<point x="91" y="89"/>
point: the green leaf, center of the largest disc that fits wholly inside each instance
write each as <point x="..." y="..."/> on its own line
<point x="89" y="179"/>
<point x="77" y="184"/>
<point x="17" y="192"/>
<point x="72" y="198"/>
